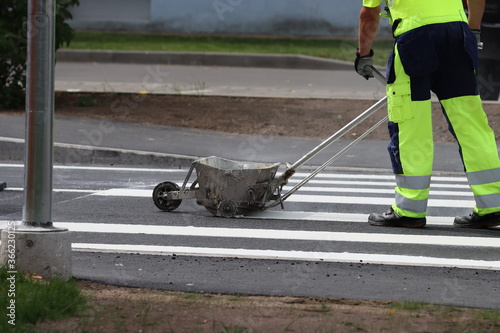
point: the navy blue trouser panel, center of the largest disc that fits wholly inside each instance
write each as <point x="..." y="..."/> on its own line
<point x="438" y="58"/>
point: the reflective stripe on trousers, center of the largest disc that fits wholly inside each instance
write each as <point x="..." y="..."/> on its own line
<point x="485" y="186"/>
<point x="412" y="193"/>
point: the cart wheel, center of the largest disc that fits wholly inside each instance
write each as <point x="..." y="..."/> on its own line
<point x="158" y="196"/>
<point x="227" y="209"/>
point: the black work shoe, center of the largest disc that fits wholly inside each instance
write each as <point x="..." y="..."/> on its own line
<point x="391" y="219"/>
<point x="475" y="221"/>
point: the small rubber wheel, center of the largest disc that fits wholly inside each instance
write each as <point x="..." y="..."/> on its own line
<point x="159" y="196"/>
<point x="227" y="209"/>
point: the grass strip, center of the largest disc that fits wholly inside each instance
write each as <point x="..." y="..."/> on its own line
<point x="338" y="49"/>
<point x="120" y="309"/>
<point x="26" y="300"/>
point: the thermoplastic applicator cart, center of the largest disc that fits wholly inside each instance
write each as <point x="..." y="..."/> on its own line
<point x="228" y="188"/>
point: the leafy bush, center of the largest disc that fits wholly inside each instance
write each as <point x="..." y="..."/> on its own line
<point x="14" y="45"/>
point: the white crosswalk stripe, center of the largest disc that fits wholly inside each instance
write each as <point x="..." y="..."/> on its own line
<point x="330" y="197"/>
<point x="367" y="258"/>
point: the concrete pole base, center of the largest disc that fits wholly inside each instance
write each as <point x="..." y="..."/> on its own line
<point x="45" y="253"/>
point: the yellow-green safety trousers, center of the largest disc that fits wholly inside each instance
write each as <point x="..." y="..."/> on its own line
<point x="441" y="58"/>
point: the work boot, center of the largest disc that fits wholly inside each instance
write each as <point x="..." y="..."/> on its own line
<point x="391" y="219"/>
<point x="476" y="221"/>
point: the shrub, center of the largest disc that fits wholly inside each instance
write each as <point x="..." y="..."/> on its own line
<point x="14" y="45"/>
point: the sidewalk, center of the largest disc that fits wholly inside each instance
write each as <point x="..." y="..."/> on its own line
<point x="252" y="75"/>
<point x="85" y="141"/>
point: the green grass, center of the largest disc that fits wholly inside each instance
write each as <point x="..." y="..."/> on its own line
<point x="36" y="300"/>
<point x="408" y="305"/>
<point x="492" y="316"/>
<point x="339" y="49"/>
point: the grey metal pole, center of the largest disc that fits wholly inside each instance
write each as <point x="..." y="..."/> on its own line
<point x="39" y="247"/>
<point x="37" y="210"/>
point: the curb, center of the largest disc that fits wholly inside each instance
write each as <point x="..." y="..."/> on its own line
<point x="281" y="61"/>
<point x="12" y="149"/>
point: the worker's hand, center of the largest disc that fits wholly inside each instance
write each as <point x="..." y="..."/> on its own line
<point x="362" y="63"/>
<point x="477" y="33"/>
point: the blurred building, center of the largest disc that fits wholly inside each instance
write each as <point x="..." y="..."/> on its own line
<point x="249" y="17"/>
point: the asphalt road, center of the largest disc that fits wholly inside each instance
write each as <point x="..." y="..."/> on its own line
<point x="319" y="245"/>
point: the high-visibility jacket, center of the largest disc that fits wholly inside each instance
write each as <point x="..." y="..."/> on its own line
<point x="417" y="13"/>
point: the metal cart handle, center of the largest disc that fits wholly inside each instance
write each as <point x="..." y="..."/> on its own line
<point x="291" y="170"/>
<point x="347" y="127"/>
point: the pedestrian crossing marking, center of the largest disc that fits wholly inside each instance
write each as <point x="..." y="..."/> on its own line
<point x="491" y="242"/>
<point x="326" y="199"/>
<point x="328" y="188"/>
<point x="366" y="258"/>
<point x="332" y="217"/>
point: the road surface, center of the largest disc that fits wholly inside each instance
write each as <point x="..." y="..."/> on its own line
<point x="320" y="245"/>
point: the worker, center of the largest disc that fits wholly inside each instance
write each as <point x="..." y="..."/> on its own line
<point x="435" y="49"/>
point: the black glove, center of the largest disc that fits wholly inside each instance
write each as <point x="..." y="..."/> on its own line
<point x="477" y="33"/>
<point x="361" y="62"/>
